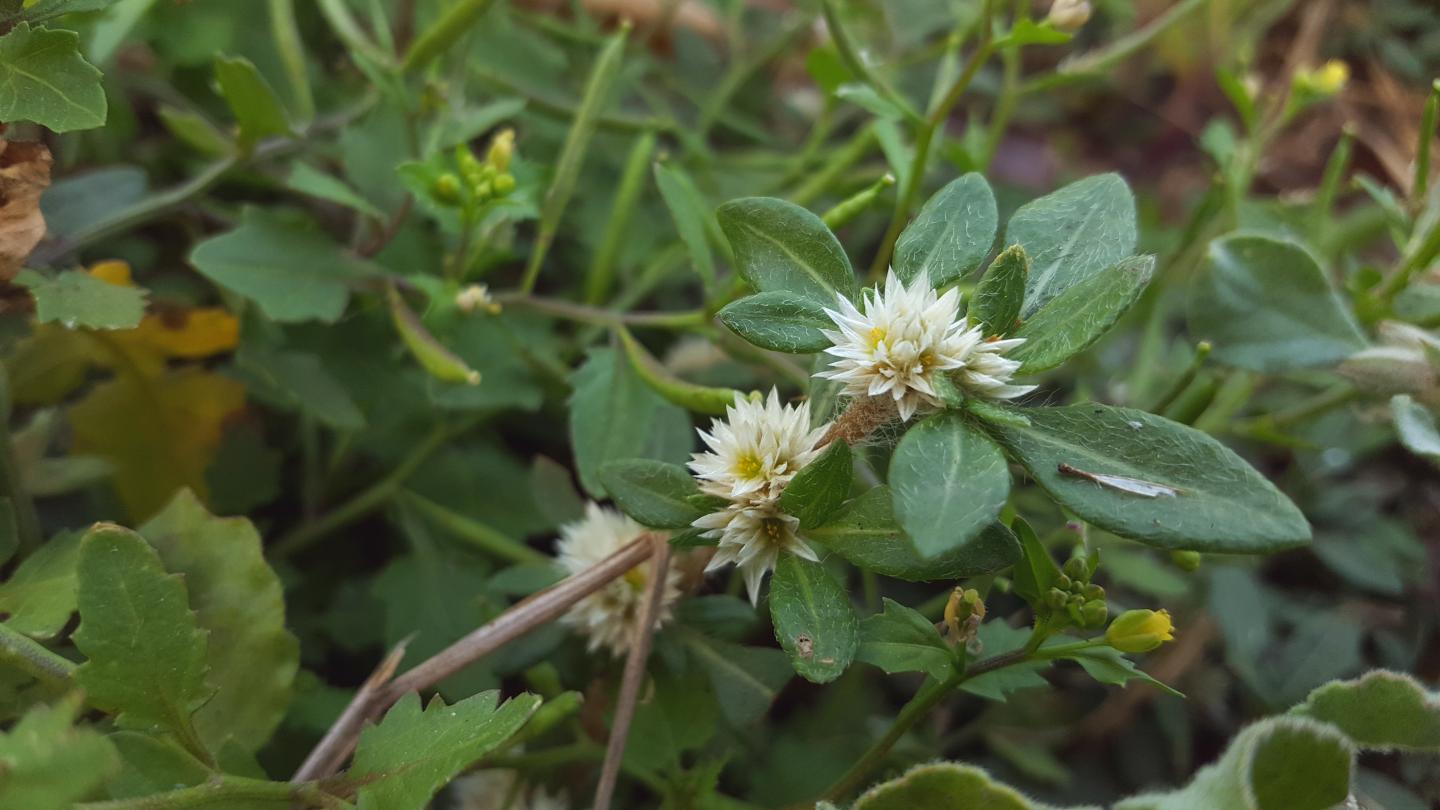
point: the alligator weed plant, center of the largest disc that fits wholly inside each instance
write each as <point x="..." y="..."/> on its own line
<point x="711" y="405"/>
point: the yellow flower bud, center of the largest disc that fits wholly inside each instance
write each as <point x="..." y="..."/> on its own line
<point x="1069" y="15"/>
<point x="1326" y="80"/>
<point x="501" y="150"/>
<point x="1138" y="631"/>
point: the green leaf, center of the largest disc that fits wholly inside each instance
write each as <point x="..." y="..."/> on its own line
<point x="691" y="215"/>
<point x="654" y="493"/>
<point x="1037" y="571"/>
<point x="1081" y="315"/>
<point x="1277" y="764"/>
<point x="293" y="272"/>
<point x="1110" y="666"/>
<point x="1001" y="292"/>
<point x="254" y="103"/>
<point x="300" y="381"/>
<point x="40" y="596"/>
<point x="864" y="96"/>
<point x="402" y="761"/>
<point x="818" y="490"/>
<point x="866" y="534"/>
<point x="43" y="78"/>
<point x="949" y="481"/>
<point x="996" y="637"/>
<point x="745" y="679"/>
<point x="41" y="10"/>
<point x="1381" y="710"/>
<point x="780" y="246"/>
<point x="146" y="650"/>
<point x="899" y="639"/>
<point x="312" y="182"/>
<point x="1072" y="234"/>
<point x="1266" y="305"/>
<point x="1030" y="32"/>
<point x="46" y="763"/>
<point x="614" y="415"/>
<point x="1215" y="502"/>
<point x="76" y="299"/>
<point x="814" y="620"/>
<point x="1415" y="425"/>
<point x="951" y="235"/>
<point x="779" y="321"/>
<point x="194" y="130"/>
<point x="946" y="786"/>
<point x="238" y="600"/>
<point x="152" y="765"/>
<point x="688" y="395"/>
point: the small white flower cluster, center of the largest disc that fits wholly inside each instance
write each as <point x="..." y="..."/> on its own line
<point x="610" y="617"/>
<point x="905" y="338"/>
<point x="754" y="453"/>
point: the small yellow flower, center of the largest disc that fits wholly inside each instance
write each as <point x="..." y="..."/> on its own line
<point x="1138" y="631"/>
<point x="1326" y="80"/>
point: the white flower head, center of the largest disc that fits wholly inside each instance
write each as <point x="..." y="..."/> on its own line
<point x="500" y="789"/>
<point x="905" y="337"/>
<point x="752" y="536"/>
<point x="756" y="449"/>
<point x="610" y="617"/>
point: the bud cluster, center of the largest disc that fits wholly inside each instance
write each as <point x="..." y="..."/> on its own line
<point x="1075" y="598"/>
<point x="477" y="181"/>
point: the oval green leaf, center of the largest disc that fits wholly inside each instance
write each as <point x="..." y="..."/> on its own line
<point x="1072" y="234"/>
<point x="949" y="482"/>
<point x="818" y="490"/>
<point x="779" y="321"/>
<point x="654" y="493"/>
<point x="951" y="235"/>
<point x="813" y="618"/>
<point x="1076" y="318"/>
<point x="781" y="246"/>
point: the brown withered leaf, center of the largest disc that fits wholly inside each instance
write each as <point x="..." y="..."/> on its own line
<point x="24" y="174"/>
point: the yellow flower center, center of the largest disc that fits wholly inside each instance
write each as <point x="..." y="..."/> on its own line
<point x="748" y="465"/>
<point x="877" y="335"/>
<point x="635" y="578"/>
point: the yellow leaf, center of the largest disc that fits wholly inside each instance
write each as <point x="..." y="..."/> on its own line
<point x="159" y="433"/>
<point x="49" y="364"/>
<point x="190" y="334"/>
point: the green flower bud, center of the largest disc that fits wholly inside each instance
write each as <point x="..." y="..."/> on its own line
<point x="1138" y="631"/>
<point x="1185" y="560"/>
<point x="504" y="184"/>
<point x="1094" y="613"/>
<point x="502" y="148"/>
<point x="446" y="188"/>
<point x="1077" y="568"/>
<point x="1056" y="599"/>
<point x="1092" y="592"/>
<point x="484" y="190"/>
<point x="466" y="160"/>
<point x="1064" y="583"/>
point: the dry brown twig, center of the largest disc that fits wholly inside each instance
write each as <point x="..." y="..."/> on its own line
<point x="522" y="617"/>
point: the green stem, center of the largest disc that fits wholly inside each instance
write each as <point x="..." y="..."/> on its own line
<point x="604" y="317"/>
<point x="228" y="790"/>
<point x="855" y="205"/>
<point x="444" y="32"/>
<point x="292" y="55"/>
<point x="29" y="656"/>
<point x="622" y="209"/>
<point x="367" y="501"/>
<point x="841" y="160"/>
<point x="1202" y="351"/>
<point x="1422" y="153"/>
<point x="1314" y="406"/>
<point x="850" y="55"/>
<point x="1101" y="59"/>
<point x="1009" y="93"/>
<point x="473" y="532"/>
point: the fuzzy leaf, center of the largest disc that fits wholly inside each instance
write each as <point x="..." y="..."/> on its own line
<point x="654" y="493"/>
<point x="780" y="321"/>
<point x="814" y="620"/>
<point x="866" y="534"/>
<point x="77" y="299"/>
<point x="1001" y="293"/>
<point x="46" y="763"/>
<point x="238" y="599"/>
<point x="899" y="639"/>
<point x="1266" y="305"/>
<point x="402" y="761"/>
<point x="43" y="78"/>
<point x="946" y="786"/>
<point x="949" y="482"/>
<point x="781" y="246"/>
<point x="951" y="235"/>
<point x="1381" y="710"/>
<point x="145" y="647"/>
<point x="1081" y="315"/>
<point x="1073" y="234"/>
<point x="818" y="490"/>
<point x="1217" y="502"/>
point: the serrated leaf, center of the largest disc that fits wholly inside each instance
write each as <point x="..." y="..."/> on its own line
<point x="292" y="272"/>
<point x="899" y="639"/>
<point x="951" y="235"/>
<point x="654" y="493"/>
<point x="1110" y="666"/>
<point x="1001" y="292"/>
<point x="43" y="78"/>
<point x="780" y="321"/>
<point x="145" y="649"/>
<point x="814" y="620"/>
<point x="949" y="482"/>
<point x="1217" y="503"/>
<point x="46" y="763"/>
<point x="615" y="415"/>
<point x="404" y="760"/>
<point x="996" y="637"/>
<point x="151" y="765"/>
<point x="1381" y="710"/>
<point x="1081" y="315"/>
<point x="240" y="603"/>
<point x="821" y="486"/>
<point x="865" y="533"/>
<point x="77" y="299"/>
<point x="40" y="596"/>
<point x="1072" y="234"/>
<point x="1266" y="305"/>
<point x="781" y="246"/>
<point x="946" y="786"/>
<point x="251" y="100"/>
